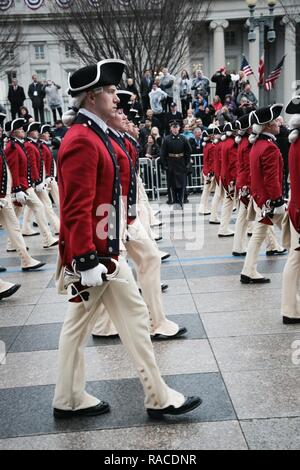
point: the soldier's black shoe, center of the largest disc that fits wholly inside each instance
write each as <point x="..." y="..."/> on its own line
<point x="212" y="222"/>
<point x="158" y="239"/>
<point x="250" y="280"/>
<point x="190" y="404"/>
<point x="276" y="252"/>
<point x="8" y="293"/>
<point x="235" y="253"/>
<point x="182" y="331"/>
<point x="33" y="268"/>
<point x="290" y="321"/>
<point x="3" y="269"/>
<point x="165" y="257"/>
<point x="100" y="409"/>
<point x="164" y="287"/>
<point x="169" y="202"/>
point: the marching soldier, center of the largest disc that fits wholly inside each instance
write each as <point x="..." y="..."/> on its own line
<point x="139" y="246"/>
<point x="50" y="164"/>
<point x="35" y="153"/>
<point x="228" y="179"/>
<point x="8" y="218"/>
<point x="219" y="191"/>
<point x="208" y="170"/>
<point x="22" y="168"/>
<point x="175" y="159"/>
<point x="266" y="167"/>
<point x="94" y="270"/>
<point x="291" y="275"/>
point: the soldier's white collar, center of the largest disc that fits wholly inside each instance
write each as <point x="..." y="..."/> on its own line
<point x="270" y="135"/>
<point x="115" y="132"/>
<point x="95" y="118"/>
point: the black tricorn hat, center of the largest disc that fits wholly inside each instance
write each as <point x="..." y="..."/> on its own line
<point x="218" y="130"/>
<point x="264" y="115"/>
<point x="45" y="128"/>
<point x="32" y="126"/>
<point x="125" y="103"/>
<point x="294" y="106"/>
<point x="229" y="127"/>
<point x="244" y="122"/>
<point x="2" y="118"/>
<point x="104" y="73"/>
<point x="11" y="126"/>
<point x="174" y="123"/>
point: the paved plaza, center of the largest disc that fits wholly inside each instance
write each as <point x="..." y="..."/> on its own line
<point x="237" y="355"/>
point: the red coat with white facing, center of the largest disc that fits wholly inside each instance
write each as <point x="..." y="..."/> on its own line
<point x="229" y="162"/>
<point x="36" y="162"/>
<point x="294" y="167"/>
<point x="243" y="164"/>
<point x="266" y="166"/>
<point x="217" y="160"/>
<point x="20" y="165"/>
<point x="50" y="167"/>
<point x="208" y="158"/>
<point x="89" y="189"/>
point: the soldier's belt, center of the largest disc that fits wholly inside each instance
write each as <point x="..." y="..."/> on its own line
<point x="176" y="155"/>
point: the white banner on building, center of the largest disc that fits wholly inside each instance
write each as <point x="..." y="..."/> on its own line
<point x="34" y="4"/>
<point x="64" y="3"/>
<point x="5" y="4"/>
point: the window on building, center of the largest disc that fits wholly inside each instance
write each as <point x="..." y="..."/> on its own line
<point x="11" y="74"/>
<point x="69" y="51"/>
<point x="230" y="38"/>
<point x="42" y="75"/>
<point x="39" y="51"/>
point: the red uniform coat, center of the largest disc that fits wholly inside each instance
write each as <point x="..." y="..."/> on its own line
<point x="294" y="167"/>
<point x="89" y="189"/>
<point x="229" y="162"/>
<point x="3" y="174"/>
<point x="37" y="166"/>
<point x="218" y="160"/>
<point x="20" y="165"/>
<point x="208" y="158"/>
<point x="266" y="166"/>
<point x="132" y="148"/>
<point x="243" y="164"/>
<point x="48" y="160"/>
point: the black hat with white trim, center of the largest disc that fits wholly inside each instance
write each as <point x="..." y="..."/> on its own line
<point x="32" y="126"/>
<point x="244" y="122"/>
<point x="11" y="126"/>
<point x="45" y="128"/>
<point x="2" y="119"/>
<point x="125" y="101"/>
<point x="104" y="73"/>
<point x="265" y="115"/>
<point x="294" y="106"/>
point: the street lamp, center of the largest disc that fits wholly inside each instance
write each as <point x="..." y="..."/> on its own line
<point x="263" y="22"/>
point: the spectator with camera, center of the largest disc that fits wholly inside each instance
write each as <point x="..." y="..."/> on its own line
<point x="53" y="98"/>
<point x="248" y="94"/>
<point x="223" y="83"/>
<point x="245" y="107"/>
<point x="185" y="92"/>
<point x="200" y="85"/>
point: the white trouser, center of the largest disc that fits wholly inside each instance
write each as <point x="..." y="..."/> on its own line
<point x="217" y="200"/>
<point x="53" y="186"/>
<point x="207" y="189"/>
<point x="129" y="314"/>
<point x="260" y="233"/>
<point x="11" y="224"/>
<point x="241" y="229"/>
<point x="228" y="205"/>
<point x="37" y="207"/>
<point x="290" y="306"/>
<point x="49" y="211"/>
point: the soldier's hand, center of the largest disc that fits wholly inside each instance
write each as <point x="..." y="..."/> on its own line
<point x="281" y="210"/>
<point x="21" y="198"/>
<point x="3" y="203"/>
<point x="94" y="277"/>
<point x="41" y="187"/>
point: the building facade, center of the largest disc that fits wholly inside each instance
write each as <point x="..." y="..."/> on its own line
<point x="222" y="39"/>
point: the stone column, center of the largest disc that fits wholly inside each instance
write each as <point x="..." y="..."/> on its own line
<point x="218" y="27"/>
<point x="290" y="86"/>
<point x="254" y="62"/>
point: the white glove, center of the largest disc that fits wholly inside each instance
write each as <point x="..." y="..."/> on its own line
<point x="3" y="203"/>
<point x="50" y="179"/>
<point x="21" y="198"/>
<point x="281" y="210"/>
<point x="93" y="277"/>
<point x="41" y="187"/>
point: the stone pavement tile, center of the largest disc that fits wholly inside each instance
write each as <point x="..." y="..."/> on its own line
<point x="27" y="411"/>
<point x="230" y="301"/>
<point x="264" y="393"/>
<point x="112" y="362"/>
<point x="177" y="286"/>
<point x="246" y="323"/>
<point x="50" y="296"/>
<point x="232" y="268"/>
<point x="14" y="315"/>
<point x="48" y="313"/>
<point x="255" y="352"/>
<point x="171" y="272"/>
<point x="178" y="304"/>
<point x="272" y="434"/>
<point x="229" y="283"/>
<point x="14" y="261"/>
<point x="24" y="296"/>
<point x="224" y="435"/>
<point x="44" y="337"/>
<point x="9" y="335"/>
<point x="28" y="280"/>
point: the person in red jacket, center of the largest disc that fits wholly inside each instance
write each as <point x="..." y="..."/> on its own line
<point x="266" y="167"/>
<point x="89" y="245"/>
<point x="291" y="275"/>
<point x="228" y="178"/>
<point x="50" y="164"/>
<point x="24" y="178"/>
<point x="219" y="191"/>
<point x="208" y="170"/>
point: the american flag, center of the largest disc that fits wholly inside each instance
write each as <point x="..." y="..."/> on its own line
<point x="274" y="75"/>
<point x="261" y="71"/>
<point x="246" y="67"/>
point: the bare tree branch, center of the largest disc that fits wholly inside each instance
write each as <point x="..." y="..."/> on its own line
<point x="10" y="41"/>
<point x="146" y="33"/>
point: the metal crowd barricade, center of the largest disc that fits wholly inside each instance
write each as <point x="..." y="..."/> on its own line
<point x="160" y="178"/>
<point x="146" y="172"/>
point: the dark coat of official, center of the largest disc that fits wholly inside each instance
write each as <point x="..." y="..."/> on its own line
<point x="38" y="100"/>
<point x="177" y="167"/>
<point x="16" y="97"/>
<point x="266" y="166"/>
